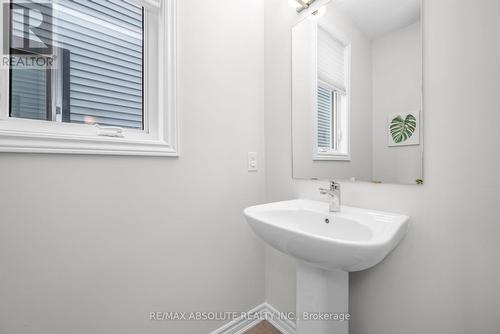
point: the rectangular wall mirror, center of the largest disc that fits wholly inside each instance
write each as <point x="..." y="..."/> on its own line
<point x="357" y="92"/>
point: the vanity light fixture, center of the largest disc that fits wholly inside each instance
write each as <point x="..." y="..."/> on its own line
<point x="300" y="5"/>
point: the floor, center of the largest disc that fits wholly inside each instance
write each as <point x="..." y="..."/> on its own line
<point x="263" y="328"/>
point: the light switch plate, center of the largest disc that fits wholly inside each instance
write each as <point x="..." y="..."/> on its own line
<point x="252" y="162"/>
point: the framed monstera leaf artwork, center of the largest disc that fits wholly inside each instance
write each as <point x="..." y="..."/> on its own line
<point x="404" y="129"/>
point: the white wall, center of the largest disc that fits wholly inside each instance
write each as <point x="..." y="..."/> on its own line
<point x="92" y="244"/>
<point x="397" y="73"/>
<point x="360" y="165"/>
<point x="444" y="277"/>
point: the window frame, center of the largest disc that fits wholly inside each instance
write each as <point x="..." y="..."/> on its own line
<point x="342" y="152"/>
<point x="160" y="136"/>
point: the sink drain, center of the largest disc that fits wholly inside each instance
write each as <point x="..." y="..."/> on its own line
<point x="327" y="220"/>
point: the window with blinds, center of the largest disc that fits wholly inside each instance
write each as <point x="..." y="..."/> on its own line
<point x="97" y="70"/>
<point x="332" y="64"/>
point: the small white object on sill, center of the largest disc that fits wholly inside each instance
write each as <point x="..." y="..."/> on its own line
<point x="109" y="131"/>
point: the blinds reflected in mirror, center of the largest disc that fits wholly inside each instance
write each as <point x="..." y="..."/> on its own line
<point x="331" y="60"/>
<point x="325" y="117"/>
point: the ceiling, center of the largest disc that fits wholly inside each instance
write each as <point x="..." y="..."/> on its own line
<point x="375" y="18"/>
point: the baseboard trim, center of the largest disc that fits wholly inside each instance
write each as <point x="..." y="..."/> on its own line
<point x="283" y="324"/>
<point x="265" y="312"/>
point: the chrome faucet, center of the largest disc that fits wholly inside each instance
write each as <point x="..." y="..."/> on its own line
<point x="334" y="196"/>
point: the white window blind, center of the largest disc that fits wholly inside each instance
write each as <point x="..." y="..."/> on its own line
<point x="331" y="60"/>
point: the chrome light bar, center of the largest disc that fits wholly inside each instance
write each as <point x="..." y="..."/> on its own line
<point x="304" y="4"/>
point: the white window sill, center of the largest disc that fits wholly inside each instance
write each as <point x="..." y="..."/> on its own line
<point x="83" y="139"/>
<point x="332" y="156"/>
<point x="84" y="145"/>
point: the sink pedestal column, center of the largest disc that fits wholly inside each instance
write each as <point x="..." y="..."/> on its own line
<point x="321" y="293"/>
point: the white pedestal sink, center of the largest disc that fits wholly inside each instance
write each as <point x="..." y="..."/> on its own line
<point x="327" y="247"/>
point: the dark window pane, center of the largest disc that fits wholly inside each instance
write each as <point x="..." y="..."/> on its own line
<point x="29" y="94"/>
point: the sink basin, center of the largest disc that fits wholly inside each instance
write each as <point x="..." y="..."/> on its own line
<point x="327" y="246"/>
<point x="351" y="240"/>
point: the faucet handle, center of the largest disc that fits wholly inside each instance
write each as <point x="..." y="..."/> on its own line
<point x="334" y="185"/>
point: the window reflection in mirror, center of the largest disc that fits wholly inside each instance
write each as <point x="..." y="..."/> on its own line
<point x="332" y="113"/>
